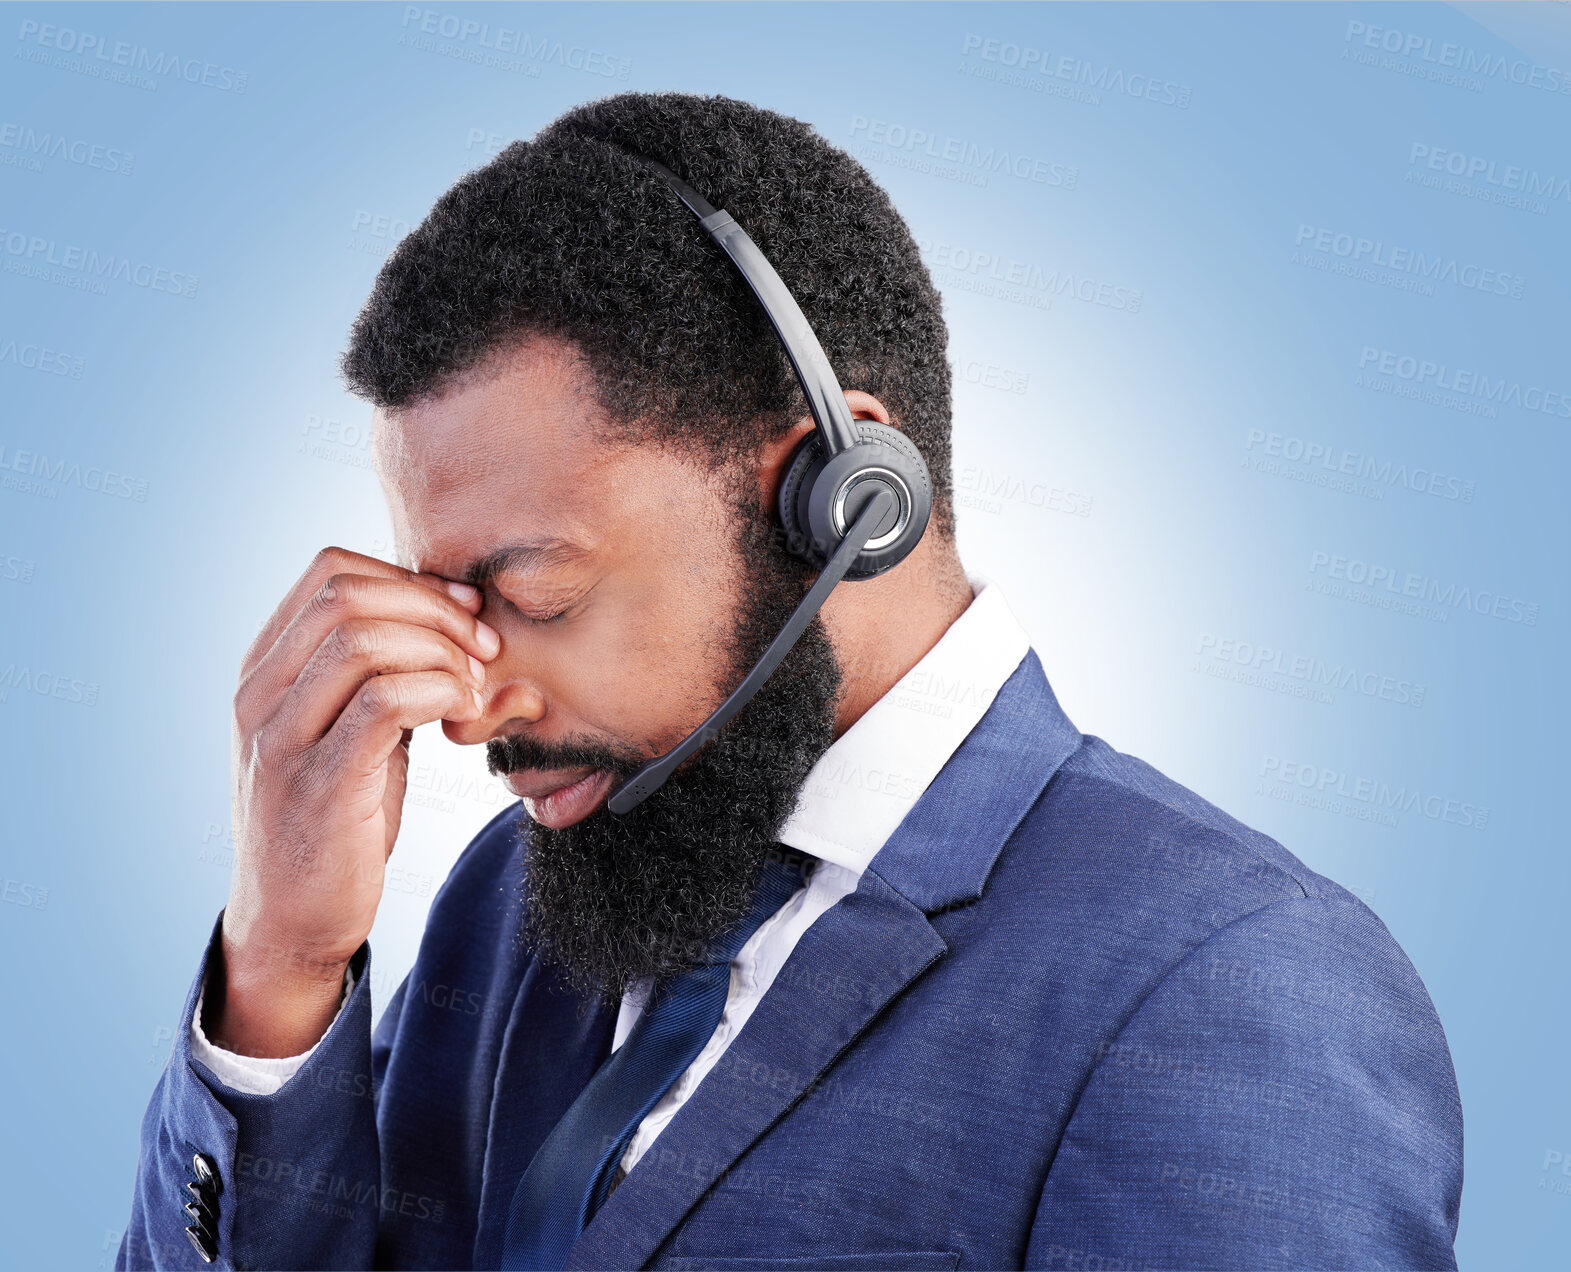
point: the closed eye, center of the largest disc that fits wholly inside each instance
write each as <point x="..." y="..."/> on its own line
<point x="542" y="615"/>
<point x="538" y="617"/>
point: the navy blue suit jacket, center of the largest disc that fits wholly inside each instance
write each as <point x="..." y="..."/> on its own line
<point x="1073" y="1016"/>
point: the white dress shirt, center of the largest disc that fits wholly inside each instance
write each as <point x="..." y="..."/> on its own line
<point x="859" y="791"/>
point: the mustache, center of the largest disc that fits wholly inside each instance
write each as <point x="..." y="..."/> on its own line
<point x="507" y="755"/>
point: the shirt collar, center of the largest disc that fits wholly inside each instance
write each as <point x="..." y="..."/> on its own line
<point x="873" y="774"/>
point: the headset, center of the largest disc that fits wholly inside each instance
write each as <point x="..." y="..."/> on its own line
<point x="854" y="502"/>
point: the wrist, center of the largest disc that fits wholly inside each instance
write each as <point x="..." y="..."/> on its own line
<point x="260" y="966"/>
<point x="268" y="1000"/>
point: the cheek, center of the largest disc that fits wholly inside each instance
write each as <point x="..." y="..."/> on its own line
<point x="641" y="663"/>
<point x="661" y="656"/>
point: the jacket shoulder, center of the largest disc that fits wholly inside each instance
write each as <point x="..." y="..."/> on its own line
<point x="1147" y="872"/>
<point x="1146" y="821"/>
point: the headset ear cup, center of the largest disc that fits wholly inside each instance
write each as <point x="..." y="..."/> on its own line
<point x="812" y="484"/>
<point x="806" y="462"/>
<point x="885" y="447"/>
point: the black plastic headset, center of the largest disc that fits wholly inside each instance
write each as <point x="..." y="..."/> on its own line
<point x="855" y="499"/>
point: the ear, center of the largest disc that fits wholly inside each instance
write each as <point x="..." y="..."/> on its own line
<point x="776" y="453"/>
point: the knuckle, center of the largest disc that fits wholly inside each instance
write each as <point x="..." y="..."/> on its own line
<point x="331" y="594"/>
<point x="246" y="703"/>
<point x="356" y="640"/>
<point x="380" y="696"/>
<point x="269" y="748"/>
<point x="330" y="560"/>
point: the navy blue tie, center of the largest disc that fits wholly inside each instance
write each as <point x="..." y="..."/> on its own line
<point x="571" y="1174"/>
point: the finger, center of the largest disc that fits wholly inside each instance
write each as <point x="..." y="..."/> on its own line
<point x="354" y="652"/>
<point x="331" y="561"/>
<point x="374" y="722"/>
<point x="347" y="598"/>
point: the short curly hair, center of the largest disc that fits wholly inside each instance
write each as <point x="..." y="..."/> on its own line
<point x="569" y="236"/>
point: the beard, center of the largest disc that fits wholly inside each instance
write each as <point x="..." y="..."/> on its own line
<point x="608" y="900"/>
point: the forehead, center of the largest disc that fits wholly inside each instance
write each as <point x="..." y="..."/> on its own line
<point x="513" y="452"/>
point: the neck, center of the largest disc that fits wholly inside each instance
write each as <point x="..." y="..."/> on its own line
<point x="882" y="627"/>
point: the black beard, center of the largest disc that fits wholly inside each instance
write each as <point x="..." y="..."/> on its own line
<point x="611" y="900"/>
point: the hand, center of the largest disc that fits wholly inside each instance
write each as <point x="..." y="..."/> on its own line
<point x="355" y="657"/>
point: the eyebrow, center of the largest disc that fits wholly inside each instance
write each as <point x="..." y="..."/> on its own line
<point x="517" y="558"/>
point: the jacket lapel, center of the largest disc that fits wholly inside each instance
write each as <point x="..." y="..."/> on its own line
<point x="553" y="1043"/>
<point x="871" y="945"/>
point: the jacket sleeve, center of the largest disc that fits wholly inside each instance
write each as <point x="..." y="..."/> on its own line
<point x="298" y="1175"/>
<point x="1284" y="1098"/>
<point x="258" y="1075"/>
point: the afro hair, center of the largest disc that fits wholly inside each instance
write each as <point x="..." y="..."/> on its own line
<point x="569" y="235"/>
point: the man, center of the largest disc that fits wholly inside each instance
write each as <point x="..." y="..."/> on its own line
<point x="899" y="971"/>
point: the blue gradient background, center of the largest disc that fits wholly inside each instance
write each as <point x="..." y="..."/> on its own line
<point x="1117" y="496"/>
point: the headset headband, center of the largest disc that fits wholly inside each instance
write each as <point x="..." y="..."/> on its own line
<point x="825" y="399"/>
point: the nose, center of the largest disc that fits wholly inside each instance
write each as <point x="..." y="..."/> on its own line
<point x="506" y="700"/>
